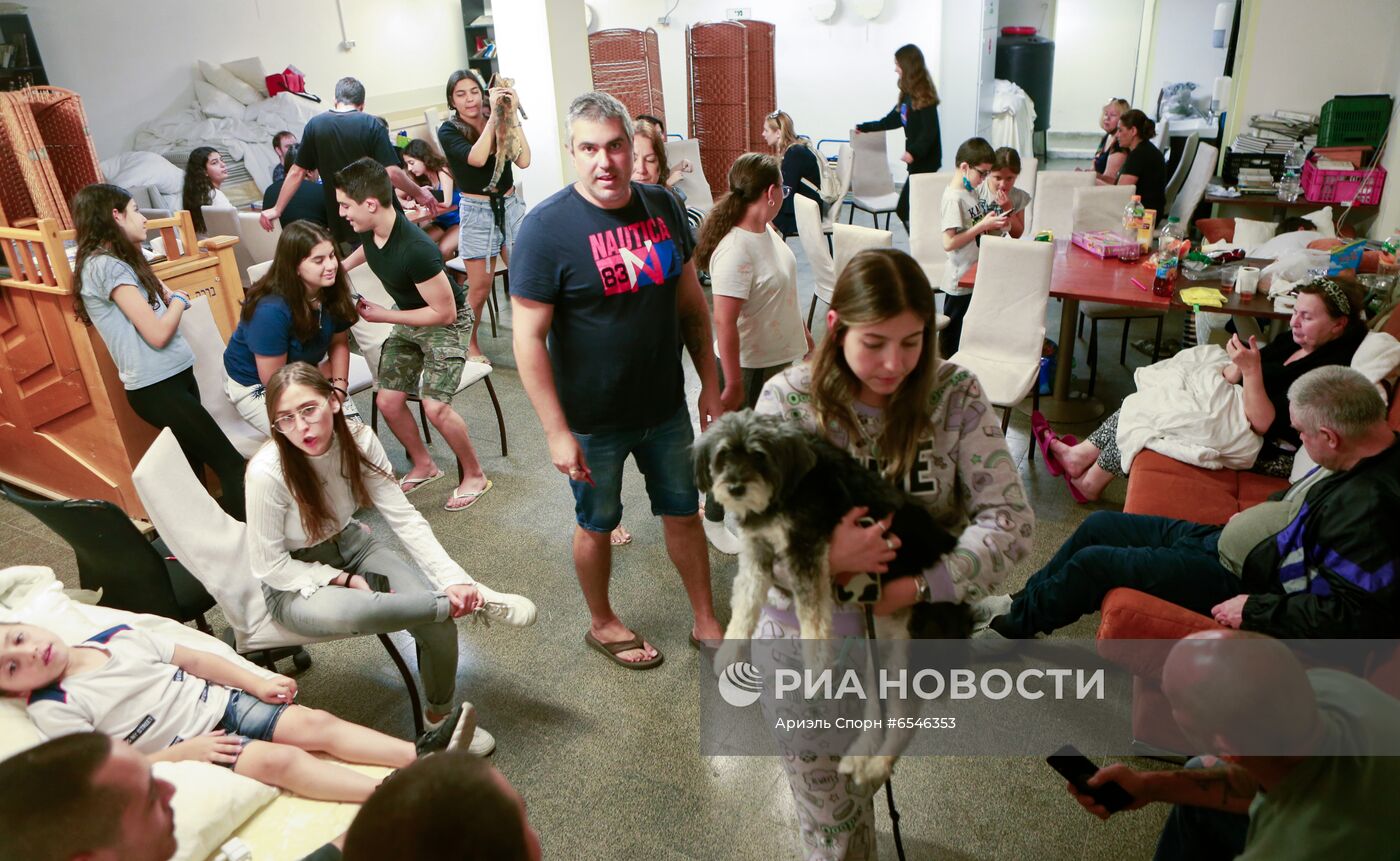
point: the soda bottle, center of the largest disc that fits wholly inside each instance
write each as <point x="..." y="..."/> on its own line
<point x="1133" y="213"/>
<point x="1162" y="281"/>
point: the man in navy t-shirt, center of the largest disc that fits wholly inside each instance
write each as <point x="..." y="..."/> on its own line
<point x="605" y="297"/>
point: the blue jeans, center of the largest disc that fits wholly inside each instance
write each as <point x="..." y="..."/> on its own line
<point x="1174" y="560"/>
<point x="662" y="454"/>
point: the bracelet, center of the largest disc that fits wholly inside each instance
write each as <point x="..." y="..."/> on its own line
<point x="182" y="299"/>
<point x="342" y="379"/>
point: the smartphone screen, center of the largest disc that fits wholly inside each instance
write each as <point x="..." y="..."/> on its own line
<point x="1078" y="768"/>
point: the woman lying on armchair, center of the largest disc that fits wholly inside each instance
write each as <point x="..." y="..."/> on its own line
<point x="1325" y="329"/>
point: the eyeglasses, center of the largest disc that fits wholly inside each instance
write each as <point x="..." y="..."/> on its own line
<point x="309" y="414"/>
<point x="787" y="192"/>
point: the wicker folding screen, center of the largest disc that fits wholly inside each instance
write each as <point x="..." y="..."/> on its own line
<point x="627" y="64"/>
<point x="731" y="92"/>
<point x="718" y="60"/>
<point x="46" y="154"/>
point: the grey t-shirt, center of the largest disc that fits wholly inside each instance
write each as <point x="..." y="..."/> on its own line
<point x="138" y="363"/>
<point x="1262" y="522"/>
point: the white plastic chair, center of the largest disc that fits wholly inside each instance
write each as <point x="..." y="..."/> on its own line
<point x="500" y="272"/>
<point x="1193" y="188"/>
<point x="813" y="239"/>
<point x="223" y="221"/>
<point x="432" y="118"/>
<point x="1030" y="171"/>
<point x="852" y="239"/>
<point x="1100" y="207"/>
<point x="370" y="337"/>
<point x="1054" y="200"/>
<point x="260" y="244"/>
<point x="1183" y="167"/>
<point x="361" y="376"/>
<point x="844" y="157"/>
<point x="696" y="188"/>
<point x="214" y="548"/>
<point x="872" y="184"/>
<point x="1004" y="332"/>
<point x="202" y="334"/>
<point x="925" y="219"/>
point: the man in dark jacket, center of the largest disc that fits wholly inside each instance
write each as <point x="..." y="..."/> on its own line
<point x="1317" y="560"/>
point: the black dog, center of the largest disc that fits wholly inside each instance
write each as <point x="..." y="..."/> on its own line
<point x="789" y="488"/>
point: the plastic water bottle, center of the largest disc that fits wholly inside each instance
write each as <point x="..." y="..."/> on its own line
<point x="1290" y="185"/>
<point x="1169" y="244"/>
<point x="1132" y="214"/>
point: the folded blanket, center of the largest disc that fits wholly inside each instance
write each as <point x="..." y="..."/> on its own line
<point x="1185" y="409"/>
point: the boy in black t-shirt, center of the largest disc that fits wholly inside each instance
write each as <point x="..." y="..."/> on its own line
<point x="425" y="353"/>
<point x="604" y="296"/>
<point x="333" y="140"/>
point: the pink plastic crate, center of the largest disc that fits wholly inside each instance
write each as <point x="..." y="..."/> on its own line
<point x="1340" y="186"/>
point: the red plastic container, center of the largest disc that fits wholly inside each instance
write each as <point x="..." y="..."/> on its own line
<point x="1018" y="31"/>
<point x="1341" y="186"/>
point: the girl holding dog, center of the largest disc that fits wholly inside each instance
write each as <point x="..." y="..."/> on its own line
<point x="877" y="388"/>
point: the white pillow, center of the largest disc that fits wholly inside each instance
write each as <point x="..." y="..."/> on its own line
<point x="1323" y="219"/>
<point x="251" y="72"/>
<point x="17" y="731"/>
<point x="1249" y="235"/>
<point x="1285" y="243"/>
<point x="132" y="169"/>
<point x="217" y="103"/>
<point x="229" y="83"/>
<point x="211" y="802"/>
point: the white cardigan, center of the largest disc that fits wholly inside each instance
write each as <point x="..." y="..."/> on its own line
<point x="274" y="519"/>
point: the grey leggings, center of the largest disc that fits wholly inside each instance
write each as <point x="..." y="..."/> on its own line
<point x="413" y="605"/>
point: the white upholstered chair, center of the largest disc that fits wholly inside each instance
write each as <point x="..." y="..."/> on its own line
<point x="813" y="239"/>
<point x="1054" y="200"/>
<point x="872" y="184"/>
<point x="1004" y="332"/>
<point x="1100" y="207"/>
<point x="925" y="219"/>
<point x="696" y="188"/>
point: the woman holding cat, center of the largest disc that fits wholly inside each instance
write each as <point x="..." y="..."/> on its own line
<point x="877" y="388"/>
<point x="490" y="217"/>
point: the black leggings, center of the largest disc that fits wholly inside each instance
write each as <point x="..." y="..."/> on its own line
<point x="174" y="403"/>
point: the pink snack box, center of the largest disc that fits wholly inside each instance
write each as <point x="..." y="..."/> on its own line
<point x="1105" y="243"/>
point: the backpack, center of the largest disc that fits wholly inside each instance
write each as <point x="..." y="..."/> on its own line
<point x="830" y="183"/>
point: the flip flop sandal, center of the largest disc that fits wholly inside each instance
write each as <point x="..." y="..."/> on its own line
<point x="700" y="645"/>
<point x="463" y="501"/>
<point x="481" y="359"/>
<point x="610" y="651"/>
<point x="408" y="485"/>
<point x="620" y="540"/>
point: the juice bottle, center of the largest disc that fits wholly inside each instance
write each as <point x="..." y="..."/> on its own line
<point x="1162" y="281"/>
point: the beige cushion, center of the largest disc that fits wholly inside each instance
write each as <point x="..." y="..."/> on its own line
<point x="1323" y="219"/>
<point x="230" y="83"/>
<point x="1249" y="235"/>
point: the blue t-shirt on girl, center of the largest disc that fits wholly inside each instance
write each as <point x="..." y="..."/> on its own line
<point x="270" y="333"/>
<point x="138" y="363"/>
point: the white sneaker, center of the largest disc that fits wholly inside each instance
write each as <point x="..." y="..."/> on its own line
<point x="984" y="611"/>
<point x="514" y="610"/>
<point x="447" y="733"/>
<point x="483" y="743"/>
<point x="721" y="538"/>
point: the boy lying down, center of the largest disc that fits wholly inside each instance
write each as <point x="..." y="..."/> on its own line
<point x="175" y="703"/>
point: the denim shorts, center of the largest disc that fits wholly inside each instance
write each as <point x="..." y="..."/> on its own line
<point x="662" y="453"/>
<point x="481" y="238"/>
<point x="248" y="718"/>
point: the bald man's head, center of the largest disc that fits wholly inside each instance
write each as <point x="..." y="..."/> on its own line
<point x="1242" y="694"/>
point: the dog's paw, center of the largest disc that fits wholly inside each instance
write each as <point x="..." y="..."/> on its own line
<point x="867" y="770"/>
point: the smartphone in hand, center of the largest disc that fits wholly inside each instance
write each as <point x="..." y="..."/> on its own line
<point x="1078" y="768"/>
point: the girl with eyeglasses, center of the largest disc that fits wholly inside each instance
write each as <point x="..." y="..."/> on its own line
<point x="753" y="276"/>
<point x="324" y="573"/>
<point x="300" y="311"/>
<point x="138" y="317"/>
<point x="917" y="113"/>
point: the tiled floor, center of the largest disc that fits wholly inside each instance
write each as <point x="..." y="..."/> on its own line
<point x="606" y="758"/>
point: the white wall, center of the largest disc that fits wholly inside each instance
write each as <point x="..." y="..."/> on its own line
<point x="1039" y="14"/>
<point x="1096" y="47"/>
<point x="1181" y="51"/>
<point x="828" y="76"/>
<point x="135" y="59"/>
<point x="1388" y="219"/>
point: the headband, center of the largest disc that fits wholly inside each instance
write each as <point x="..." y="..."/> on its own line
<point x="1335" y="292"/>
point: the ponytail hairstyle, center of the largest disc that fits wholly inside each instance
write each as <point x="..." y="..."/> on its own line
<point x="1138" y="121"/>
<point x="876" y="285"/>
<point x="306" y="488"/>
<point x="466" y="128"/>
<point x="751" y="175"/>
<point x="295" y="244"/>
<point x="99" y="233"/>
<point x="424" y="152"/>
<point x="199" y="191"/>
<point x="915" y="84"/>
<point x="787" y="135"/>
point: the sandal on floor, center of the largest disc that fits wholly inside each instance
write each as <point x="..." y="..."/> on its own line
<point x="462" y="501"/>
<point x="700" y="645"/>
<point x="1074" y="491"/>
<point x="408" y="485"/>
<point x="480" y="359"/>
<point x="619" y="536"/>
<point x="610" y="651"/>
<point x="1044" y="435"/>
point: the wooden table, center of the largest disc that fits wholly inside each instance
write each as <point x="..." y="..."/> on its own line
<point x="1272" y="201"/>
<point x="1079" y="276"/>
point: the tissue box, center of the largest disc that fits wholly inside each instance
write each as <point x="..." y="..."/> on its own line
<point x="1105" y="243"/>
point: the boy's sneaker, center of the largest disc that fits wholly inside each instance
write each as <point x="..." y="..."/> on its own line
<point x="987" y="609"/>
<point x="721" y="538"/>
<point x="482" y="743"/>
<point x="447" y="734"/>
<point x="515" y="610"/>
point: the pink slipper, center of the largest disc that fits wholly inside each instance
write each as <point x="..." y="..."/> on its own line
<point x="1074" y="491"/>
<point x="1044" y="434"/>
